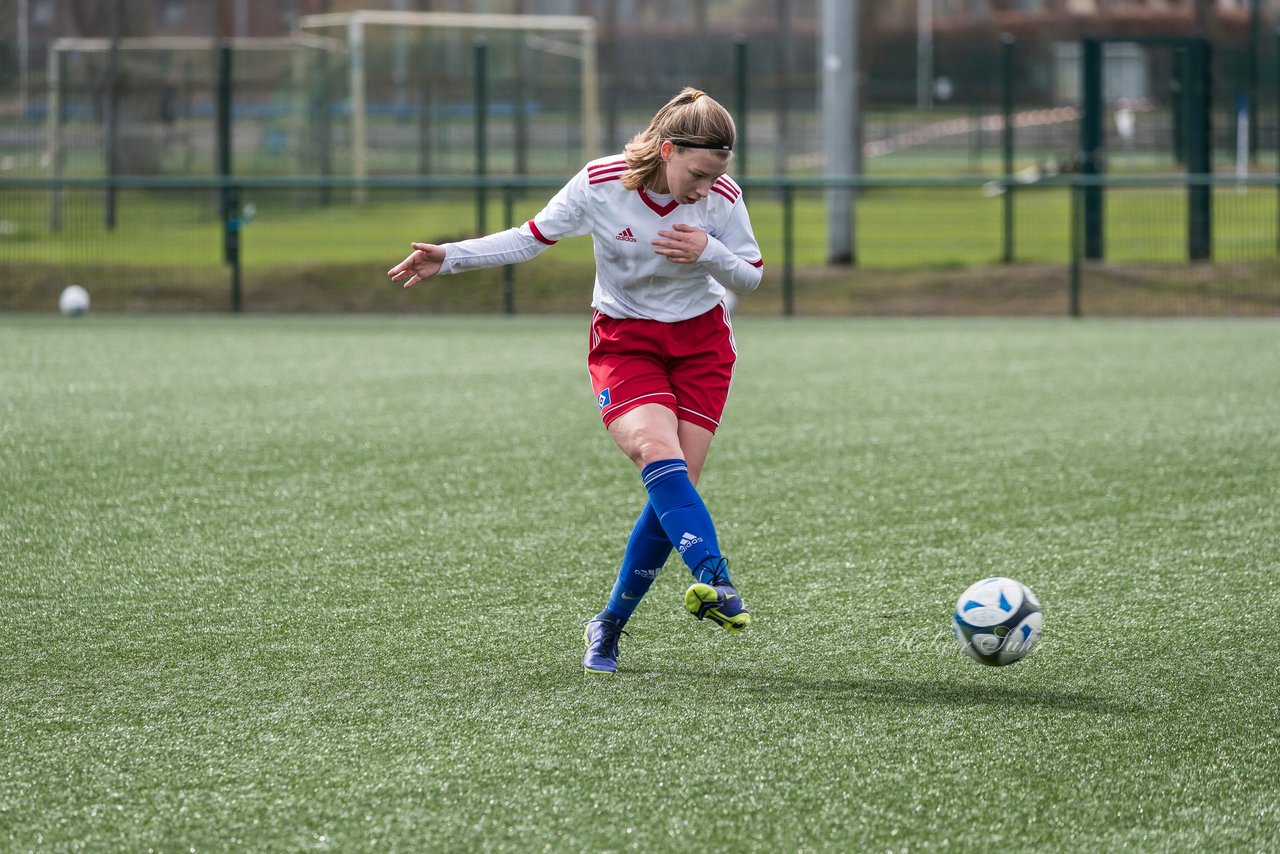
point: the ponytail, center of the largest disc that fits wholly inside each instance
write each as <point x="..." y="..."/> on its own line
<point x="692" y="119"/>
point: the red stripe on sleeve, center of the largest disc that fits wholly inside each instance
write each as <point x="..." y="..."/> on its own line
<point x="758" y="264"/>
<point x="608" y="172"/>
<point x="533" y="226"/>
<point x="605" y="167"/>
<point x="727" y="185"/>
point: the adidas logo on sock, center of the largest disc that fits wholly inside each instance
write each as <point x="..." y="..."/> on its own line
<point x="626" y="235"/>
<point x="686" y="541"/>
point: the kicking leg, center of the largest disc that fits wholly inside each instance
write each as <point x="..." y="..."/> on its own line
<point x="651" y="436"/>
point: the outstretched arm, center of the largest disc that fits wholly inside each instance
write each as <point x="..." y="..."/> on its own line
<point x="493" y="250"/>
<point x="423" y="263"/>
<point x="562" y="217"/>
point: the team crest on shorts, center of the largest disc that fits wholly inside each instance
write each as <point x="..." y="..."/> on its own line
<point x="603" y="398"/>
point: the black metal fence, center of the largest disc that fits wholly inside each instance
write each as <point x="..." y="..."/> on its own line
<point x="921" y="246"/>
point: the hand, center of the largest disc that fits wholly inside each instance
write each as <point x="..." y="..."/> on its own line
<point x="423" y="263"/>
<point x="683" y="245"/>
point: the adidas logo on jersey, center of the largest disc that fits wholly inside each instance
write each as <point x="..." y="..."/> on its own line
<point x="626" y="235"/>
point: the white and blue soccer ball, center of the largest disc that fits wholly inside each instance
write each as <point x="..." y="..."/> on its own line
<point x="997" y="621"/>
<point x="73" y="301"/>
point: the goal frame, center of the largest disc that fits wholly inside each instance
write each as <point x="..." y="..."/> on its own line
<point x="582" y="26"/>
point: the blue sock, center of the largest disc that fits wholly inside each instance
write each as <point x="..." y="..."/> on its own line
<point x="647" y="551"/>
<point x="685" y="519"/>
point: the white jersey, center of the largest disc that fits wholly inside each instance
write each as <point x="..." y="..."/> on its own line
<point x="632" y="280"/>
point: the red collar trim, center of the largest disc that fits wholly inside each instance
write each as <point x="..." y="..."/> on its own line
<point x="660" y="210"/>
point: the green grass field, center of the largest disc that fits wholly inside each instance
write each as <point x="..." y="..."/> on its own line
<point x="319" y="584"/>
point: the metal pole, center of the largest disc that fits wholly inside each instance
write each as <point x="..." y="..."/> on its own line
<point x="1074" y="230"/>
<point x="56" y="61"/>
<point x="324" y="115"/>
<point x="1198" y="92"/>
<point x="523" y="73"/>
<point x="113" y="118"/>
<point x="400" y="60"/>
<point x="230" y="195"/>
<point x="1255" y="43"/>
<point x="924" y="54"/>
<point x="610" y="72"/>
<point x="788" y="251"/>
<point x="1006" y="72"/>
<point x="426" y="100"/>
<point x="591" y="96"/>
<point x="1178" y="102"/>
<point x="481" y="134"/>
<point x="784" y="52"/>
<point x="24" y="55"/>
<point x="509" y="271"/>
<point x="839" y="108"/>
<point x="359" y="98"/>
<point x="740" y="100"/>
<point x="1091" y="141"/>
<point x="298" y="112"/>
<point x="231" y="240"/>
<point x="224" y="109"/>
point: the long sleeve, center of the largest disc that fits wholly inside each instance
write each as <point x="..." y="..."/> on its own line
<point x="563" y="216"/>
<point x="493" y="250"/>
<point x="730" y="270"/>
<point x="732" y="256"/>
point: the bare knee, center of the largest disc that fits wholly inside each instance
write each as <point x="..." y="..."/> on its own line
<point x="648" y="446"/>
<point x="647" y="434"/>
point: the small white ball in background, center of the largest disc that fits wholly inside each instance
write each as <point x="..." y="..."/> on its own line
<point x="730" y="300"/>
<point x="74" y="301"/>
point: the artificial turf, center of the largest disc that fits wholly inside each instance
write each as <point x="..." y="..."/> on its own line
<point x="319" y="583"/>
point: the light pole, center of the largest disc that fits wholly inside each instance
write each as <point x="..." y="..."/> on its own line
<point x="924" y="54"/>
<point x="838" y="59"/>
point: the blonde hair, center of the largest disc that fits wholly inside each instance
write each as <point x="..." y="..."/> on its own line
<point x="694" y="117"/>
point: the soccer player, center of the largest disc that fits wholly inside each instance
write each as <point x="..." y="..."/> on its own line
<point x="671" y="237"/>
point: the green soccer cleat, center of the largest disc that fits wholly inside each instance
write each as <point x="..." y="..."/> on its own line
<point x="721" y="604"/>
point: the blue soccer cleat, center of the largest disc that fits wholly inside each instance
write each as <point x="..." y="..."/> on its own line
<point x="601" y="637"/>
<point x="719" y="603"/>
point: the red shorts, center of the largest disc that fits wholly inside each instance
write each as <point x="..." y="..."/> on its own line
<point x="685" y="366"/>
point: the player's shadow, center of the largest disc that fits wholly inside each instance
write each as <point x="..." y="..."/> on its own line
<point x="902" y="693"/>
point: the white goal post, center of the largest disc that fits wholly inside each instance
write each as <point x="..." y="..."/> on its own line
<point x="582" y="26"/>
